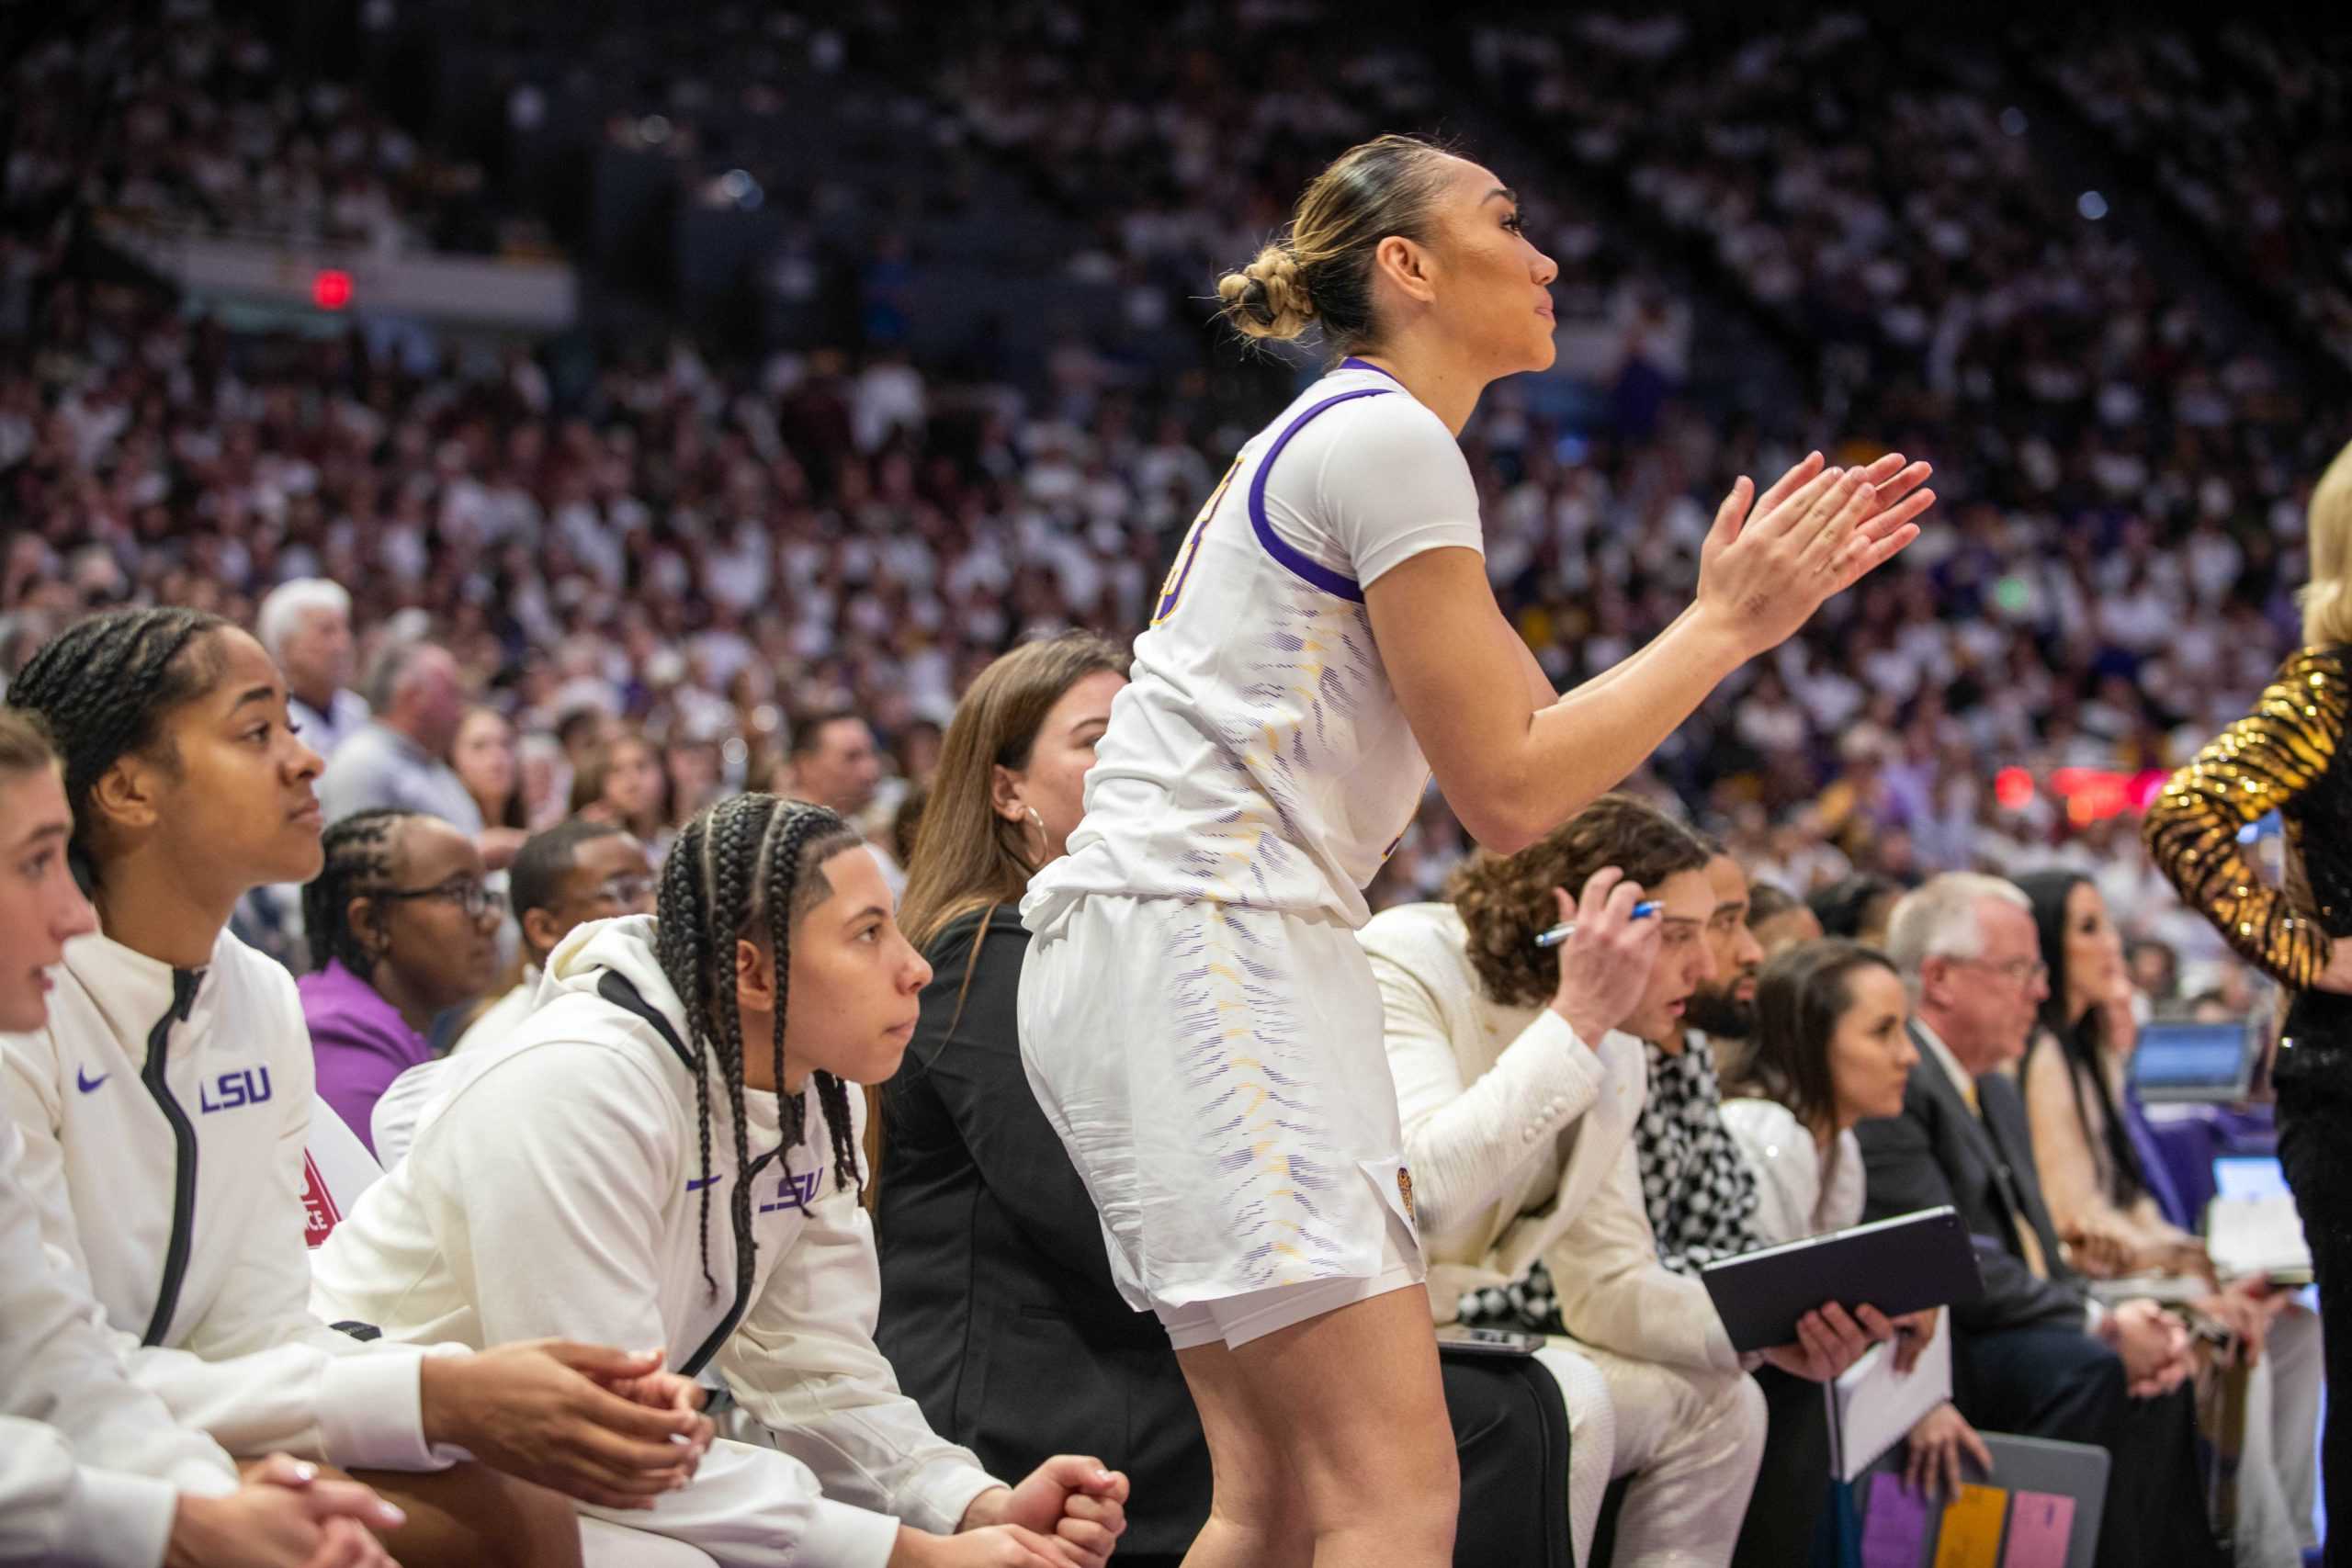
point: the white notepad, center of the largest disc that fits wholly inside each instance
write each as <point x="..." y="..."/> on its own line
<point x="1873" y="1406"/>
<point x="2256" y="1236"/>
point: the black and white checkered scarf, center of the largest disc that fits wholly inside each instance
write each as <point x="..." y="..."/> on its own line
<point x="1696" y="1186"/>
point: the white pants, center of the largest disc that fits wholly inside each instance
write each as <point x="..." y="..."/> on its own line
<point x="2276" y="1467"/>
<point x="607" y="1545"/>
<point x="1691" y="1441"/>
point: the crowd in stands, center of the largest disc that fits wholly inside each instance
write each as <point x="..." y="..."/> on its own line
<point x="189" y="119"/>
<point x="2246" y="131"/>
<point x="703" y="547"/>
<point x="539" y="637"/>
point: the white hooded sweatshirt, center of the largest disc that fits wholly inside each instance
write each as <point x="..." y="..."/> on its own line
<point x="91" y="1467"/>
<point x="165" y="1116"/>
<point x="555" y="1188"/>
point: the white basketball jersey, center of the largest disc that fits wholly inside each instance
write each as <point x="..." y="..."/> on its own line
<point x="1259" y="756"/>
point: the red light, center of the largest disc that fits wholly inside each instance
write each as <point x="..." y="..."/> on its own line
<point x="330" y="289"/>
<point x="2013" y="787"/>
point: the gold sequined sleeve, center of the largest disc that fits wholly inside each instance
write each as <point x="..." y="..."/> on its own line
<point x="2251" y="769"/>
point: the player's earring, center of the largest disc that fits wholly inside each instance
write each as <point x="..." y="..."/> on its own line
<point x="1039" y="823"/>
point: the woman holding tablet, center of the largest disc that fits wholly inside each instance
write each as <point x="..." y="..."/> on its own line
<point x="1196" y="1018"/>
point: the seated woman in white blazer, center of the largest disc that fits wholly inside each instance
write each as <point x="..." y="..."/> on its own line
<point x="1830" y="1049"/>
<point x="1519" y="1092"/>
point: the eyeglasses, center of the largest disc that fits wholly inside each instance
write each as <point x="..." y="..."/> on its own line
<point x="2021" y="972"/>
<point x="476" y="898"/>
<point x="627" y="891"/>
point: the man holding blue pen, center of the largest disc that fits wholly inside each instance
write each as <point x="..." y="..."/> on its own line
<point x="1522" y="1070"/>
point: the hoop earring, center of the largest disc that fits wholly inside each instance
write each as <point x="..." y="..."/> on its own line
<point x="1039" y="823"/>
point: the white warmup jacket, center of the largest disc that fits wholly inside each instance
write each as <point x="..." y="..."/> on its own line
<point x="91" y="1466"/>
<point x="1523" y="1143"/>
<point x="165" y="1116"/>
<point x="1511" y="1123"/>
<point x="1528" y="1141"/>
<point x="555" y="1188"/>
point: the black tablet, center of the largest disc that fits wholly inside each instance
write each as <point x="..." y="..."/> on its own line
<point x="1908" y="1263"/>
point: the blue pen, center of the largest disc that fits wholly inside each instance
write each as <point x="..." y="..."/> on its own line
<point x="1559" y="935"/>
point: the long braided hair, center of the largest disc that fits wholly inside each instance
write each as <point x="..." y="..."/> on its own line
<point x="747" y="867"/>
<point x="358" y="862"/>
<point x="103" y="686"/>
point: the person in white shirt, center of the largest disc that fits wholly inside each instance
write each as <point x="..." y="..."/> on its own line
<point x="1830" y="1049"/>
<point x="93" y="1468"/>
<point x="1520" y="1094"/>
<point x="305" y="625"/>
<point x="566" y="1182"/>
<point x="573" y="872"/>
<point x="165" y="1107"/>
<point x="401" y="756"/>
<point x="1195" y="1018"/>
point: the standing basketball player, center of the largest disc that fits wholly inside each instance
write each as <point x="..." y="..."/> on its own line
<point x="1195" y="1016"/>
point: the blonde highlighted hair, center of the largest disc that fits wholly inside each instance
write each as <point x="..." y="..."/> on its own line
<point x="25" y="745"/>
<point x="2327" y="598"/>
<point x="1319" y="272"/>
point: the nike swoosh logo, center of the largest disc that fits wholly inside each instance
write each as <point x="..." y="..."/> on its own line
<point x="694" y="1185"/>
<point x="85" y="1083"/>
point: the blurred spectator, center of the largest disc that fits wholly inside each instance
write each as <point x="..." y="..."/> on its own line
<point x="2113" y="1198"/>
<point x="402" y="927"/>
<point x="2154" y="969"/>
<point x="306" y="626"/>
<point x="623" y="783"/>
<point x="1855" y="908"/>
<point x="578" y="872"/>
<point x="561" y="879"/>
<point x="833" y="761"/>
<point x="1778" y="920"/>
<point x="483" y="758"/>
<point x="399" y="759"/>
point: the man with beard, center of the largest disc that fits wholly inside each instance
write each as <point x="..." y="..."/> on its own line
<point x="1724" y="1008"/>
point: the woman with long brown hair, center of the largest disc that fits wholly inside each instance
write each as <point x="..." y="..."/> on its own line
<point x="623" y="782"/>
<point x="1010" y="774"/>
<point x="978" y="1203"/>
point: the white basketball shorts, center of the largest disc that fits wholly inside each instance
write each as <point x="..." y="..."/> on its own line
<point x="1218" y="1077"/>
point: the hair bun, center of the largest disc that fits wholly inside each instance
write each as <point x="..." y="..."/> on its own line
<point x="1268" y="297"/>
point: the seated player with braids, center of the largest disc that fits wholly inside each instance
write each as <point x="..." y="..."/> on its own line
<point x="165" y="1107"/>
<point x="564" y="1182"/>
<point x="402" y="927"/>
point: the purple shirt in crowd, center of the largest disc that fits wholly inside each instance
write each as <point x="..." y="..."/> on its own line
<point x="360" y="1043"/>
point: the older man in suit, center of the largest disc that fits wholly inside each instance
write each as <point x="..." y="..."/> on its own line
<point x="2033" y="1354"/>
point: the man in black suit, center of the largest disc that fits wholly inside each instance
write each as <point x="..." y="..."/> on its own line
<point x="2033" y="1354"/>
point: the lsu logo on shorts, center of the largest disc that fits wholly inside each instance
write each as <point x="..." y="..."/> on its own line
<point x="1405" y="1191"/>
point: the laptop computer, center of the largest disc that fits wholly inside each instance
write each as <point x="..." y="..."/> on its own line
<point x="2197" y="1064"/>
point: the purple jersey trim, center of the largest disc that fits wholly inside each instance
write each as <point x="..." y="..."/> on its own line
<point x="1315" y="572"/>
<point x="1352" y="363"/>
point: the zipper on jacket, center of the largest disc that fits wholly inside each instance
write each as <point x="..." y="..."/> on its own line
<point x="167" y="1297"/>
<point x="618" y="990"/>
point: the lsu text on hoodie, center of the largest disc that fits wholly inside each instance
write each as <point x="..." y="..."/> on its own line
<point x="555" y="1188"/>
<point x="165" y="1113"/>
